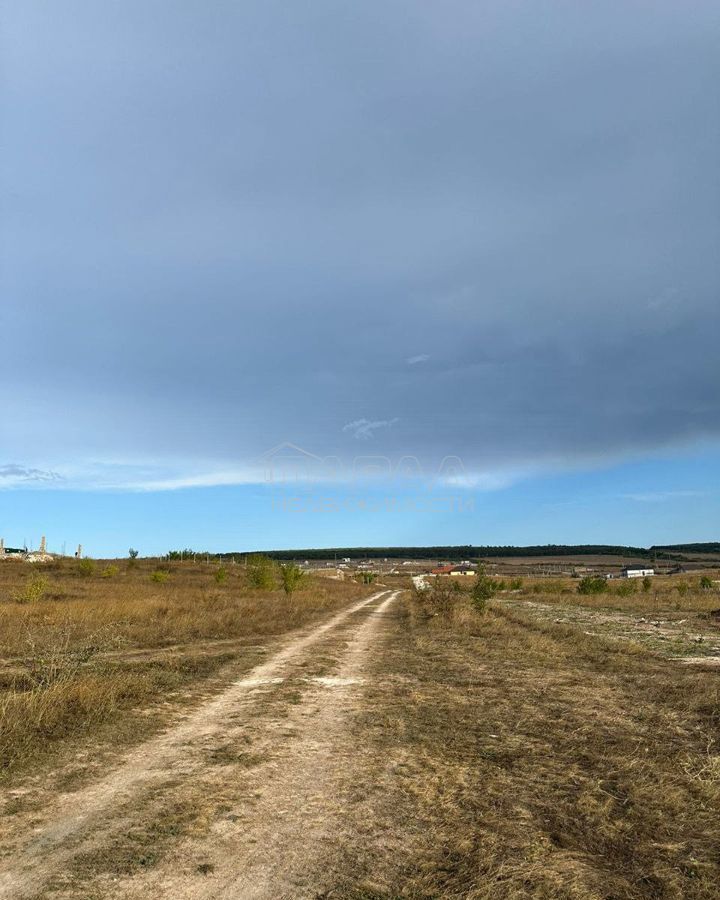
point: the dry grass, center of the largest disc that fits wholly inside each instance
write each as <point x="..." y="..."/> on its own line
<point x="537" y="761"/>
<point x="80" y="648"/>
<point x="678" y="593"/>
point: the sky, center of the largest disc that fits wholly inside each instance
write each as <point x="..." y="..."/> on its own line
<point x="320" y="273"/>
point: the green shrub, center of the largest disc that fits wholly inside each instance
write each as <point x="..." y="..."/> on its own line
<point x="646" y="584"/>
<point x="368" y="577"/>
<point x="292" y="577"/>
<point x="626" y="588"/>
<point x="221" y="575"/>
<point x="160" y="576"/>
<point x="261" y="572"/>
<point x="516" y="584"/>
<point x="592" y="584"/>
<point x="483" y="590"/>
<point x="706" y="583"/>
<point x="86" y="568"/>
<point x="34" y="589"/>
<point x="109" y="571"/>
<point x="682" y="588"/>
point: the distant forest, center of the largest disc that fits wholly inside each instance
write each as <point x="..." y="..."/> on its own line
<point x="667" y="551"/>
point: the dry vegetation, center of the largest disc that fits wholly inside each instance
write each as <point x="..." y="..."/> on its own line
<point x="83" y="645"/>
<point x="535" y="760"/>
<point x="533" y="750"/>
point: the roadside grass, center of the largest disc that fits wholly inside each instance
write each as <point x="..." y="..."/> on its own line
<point x="534" y="760"/>
<point x="69" y="663"/>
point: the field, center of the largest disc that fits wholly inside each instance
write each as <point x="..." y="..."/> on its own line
<point x="195" y="737"/>
<point x="82" y="646"/>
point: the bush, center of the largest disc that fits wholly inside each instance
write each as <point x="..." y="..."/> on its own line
<point x="626" y="588"/>
<point x="516" y="584"/>
<point x="86" y="568"/>
<point x="483" y="590"/>
<point x="292" y="577"/>
<point x="109" y="571"/>
<point x="682" y="588"/>
<point x="260" y="572"/>
<point x="160" y="576"/>
<point x="592" y="584"/>
<point x="221" y="575"/>
<point x="368" y="577"/>
<point x="34" y="589"/>
<point x="646" y="584"/>
<point x="441" y="597"/>
<point x="706" y="583"/>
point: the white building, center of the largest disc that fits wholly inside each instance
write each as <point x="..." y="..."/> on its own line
<point x="638" y="571"/>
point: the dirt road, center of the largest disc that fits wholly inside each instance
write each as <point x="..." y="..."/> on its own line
<point x="244" y="798"/>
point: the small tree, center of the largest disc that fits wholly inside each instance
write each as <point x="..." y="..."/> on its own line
<point x="368" y="577"/>
<point x="260" y="572"/>
<point x="221" y="575"/>
<point x="292" y="577"/>
<point x="132" y="553"/>
<point x="646" y="584"/>
<point x="483" y="590"/>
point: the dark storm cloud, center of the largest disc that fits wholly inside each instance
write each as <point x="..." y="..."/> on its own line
<point x="226" y="225"/>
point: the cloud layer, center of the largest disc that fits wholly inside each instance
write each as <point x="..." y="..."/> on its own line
<point x="227" y="226"/>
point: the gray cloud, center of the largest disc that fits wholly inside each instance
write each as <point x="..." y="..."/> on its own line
<point x="364" y="429"/>
<point x="12" y="474"/>
<point x="230" y="225"/>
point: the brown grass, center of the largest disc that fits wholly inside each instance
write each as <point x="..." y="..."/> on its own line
<point x="80" y="650"/>
<point x="538" y="761"/>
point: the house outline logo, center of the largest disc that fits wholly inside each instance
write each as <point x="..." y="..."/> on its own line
<point x="287" y="462"/>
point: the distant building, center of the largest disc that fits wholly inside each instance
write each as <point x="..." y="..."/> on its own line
<point x="637" y="571"/>
<point x="453" y="570"/>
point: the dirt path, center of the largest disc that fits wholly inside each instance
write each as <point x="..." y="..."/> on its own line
<point x="239" y="800"/>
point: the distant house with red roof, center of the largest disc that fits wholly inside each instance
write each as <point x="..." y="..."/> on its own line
<point x="460" y="569"/>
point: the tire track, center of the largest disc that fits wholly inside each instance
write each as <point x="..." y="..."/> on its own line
<point x="77" y="819"/>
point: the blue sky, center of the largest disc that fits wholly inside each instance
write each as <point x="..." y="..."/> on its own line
<point x="485" y="231"/>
